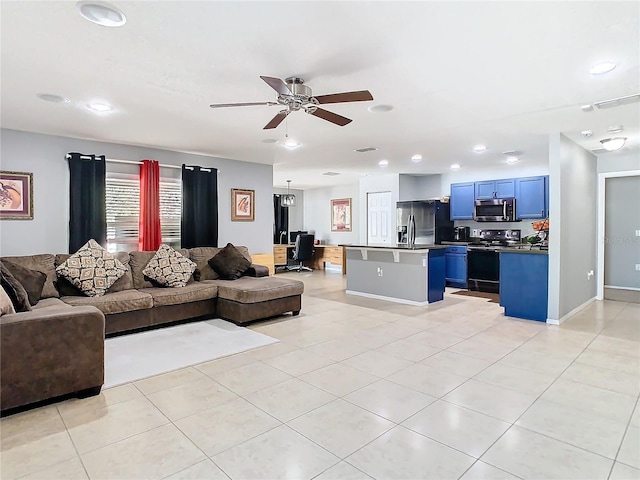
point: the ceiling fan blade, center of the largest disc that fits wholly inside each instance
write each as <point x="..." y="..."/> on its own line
<point x="330" y="116"/>
<point x="277" y="84"/>
<point x="361" y="96"/>
<point x="248" y="104"/>
<point x="277" y="120"/>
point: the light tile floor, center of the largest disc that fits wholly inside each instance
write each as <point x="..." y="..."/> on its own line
<point x="360" y="388"/>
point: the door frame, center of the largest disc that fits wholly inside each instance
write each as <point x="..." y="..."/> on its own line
<point x="600" y="229"/>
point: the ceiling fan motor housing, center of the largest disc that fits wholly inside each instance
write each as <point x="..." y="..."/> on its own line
<point x="300" y="94"/>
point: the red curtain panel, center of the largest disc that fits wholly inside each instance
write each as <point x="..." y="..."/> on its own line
<point x="149" y="233"/>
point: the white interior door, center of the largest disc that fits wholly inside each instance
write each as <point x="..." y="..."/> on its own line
<point x="380" y="218"/>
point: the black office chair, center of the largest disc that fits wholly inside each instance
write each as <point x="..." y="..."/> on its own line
<point x="303" y="251"/>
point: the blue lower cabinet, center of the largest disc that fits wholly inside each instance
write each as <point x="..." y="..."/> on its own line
<point x="435" y="279"/>
<point x="524" y="285"/>
<point x="456" y="266"/>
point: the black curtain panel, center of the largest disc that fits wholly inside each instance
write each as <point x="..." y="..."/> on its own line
<point x="199" y="225"/>
<point x="87" y="200"/>
<point x="280" y="221"/>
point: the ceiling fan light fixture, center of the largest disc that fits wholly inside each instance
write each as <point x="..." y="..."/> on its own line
<point x="101" y="13"/>
<point x="288" y="199"/>
<point x="613" y="144"/>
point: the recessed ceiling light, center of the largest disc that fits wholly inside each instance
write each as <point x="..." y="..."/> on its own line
<point x="586" y="133"/>
<point x="290" y="142"/>
<point x="512" y="160"/>
<point x="601" y="68"/>
<point x="455" y="166"/>
<point x="101" y="13"/>
<point x="479" y="148"/>
<point x="587" y="108"/>
<point x="416" y="158"/>
<point x="100" y="107"/>
<point x="383" y="163"/>
<point x="613" y="144"/>
<point x="50" y="97"/>
<point x="380" y="108"/>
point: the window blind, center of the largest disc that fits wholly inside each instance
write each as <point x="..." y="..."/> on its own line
<point x="123" y="210"/>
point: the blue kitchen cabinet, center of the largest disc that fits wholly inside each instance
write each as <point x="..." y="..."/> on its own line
<point x="461" y="201"/>
<point x="504" y="188"/>
<point x="531" y="198"/>
<point x="456" y="266"/>
<point x="524" y="284"/>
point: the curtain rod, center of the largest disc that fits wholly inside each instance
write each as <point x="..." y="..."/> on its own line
<point x="133" y="162"/>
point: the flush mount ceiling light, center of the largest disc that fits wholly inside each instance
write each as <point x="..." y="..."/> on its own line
<point x="288" y="199"/>
<point x="601" y="68"/>
<point x="512" y="160"/>
<point x="416" y="158"/>
<point x="99" y="107"/>
<point x="101" y="13"/>
<point x="380" y="108"/>
<point x="479" y="148"/>
<point x="50" y="97"/>
<point x="455" y="166"/>
<point x="613" y="144"/>
<point x="383" y="163"/>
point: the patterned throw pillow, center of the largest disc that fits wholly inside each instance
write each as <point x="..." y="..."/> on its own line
<point x="169" y="268"/>
<point x="92" y="269"/>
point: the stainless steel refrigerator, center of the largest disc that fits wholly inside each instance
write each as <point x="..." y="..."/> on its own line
<point x="423" y="222"/>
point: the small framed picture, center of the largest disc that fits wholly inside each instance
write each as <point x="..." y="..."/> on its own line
<point x="341" y="215"/>
<point x="242" y="205"/>
<point x="16" y="196"/>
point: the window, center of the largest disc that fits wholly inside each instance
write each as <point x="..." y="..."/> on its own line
<point x="123" y="210"/>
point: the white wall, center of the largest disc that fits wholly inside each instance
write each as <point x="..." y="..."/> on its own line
<point x="618" y="162"/>
<point x="296" y="213"/>
<point x="317" y="213"/>
<point x="44" y="156"/>
<point x="572" y="245"/>
<point x="419" y="187"/>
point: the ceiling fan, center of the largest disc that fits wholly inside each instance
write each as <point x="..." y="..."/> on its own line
<point x="294" y="95"/>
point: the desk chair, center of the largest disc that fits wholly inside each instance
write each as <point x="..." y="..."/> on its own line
<point x="303" y="251"/>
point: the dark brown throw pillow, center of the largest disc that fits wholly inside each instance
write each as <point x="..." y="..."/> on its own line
<point x="67" y="289"/>
<point x="229" y="263"/>
<point x="16" y="292"/>
<point x="31" y="280"/>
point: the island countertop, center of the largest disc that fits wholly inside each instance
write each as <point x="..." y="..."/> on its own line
<point x="404" y="248"/>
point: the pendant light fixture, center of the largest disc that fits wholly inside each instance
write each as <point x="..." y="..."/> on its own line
<point x="288" y="199"/>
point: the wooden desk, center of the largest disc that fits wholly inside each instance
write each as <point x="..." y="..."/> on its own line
<point x="322" y="253"/>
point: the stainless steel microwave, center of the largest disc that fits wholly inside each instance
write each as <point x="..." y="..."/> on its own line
<point x="495" y="210"/>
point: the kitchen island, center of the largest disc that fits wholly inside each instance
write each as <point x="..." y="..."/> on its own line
<point x="524" y="283"/>
<point x="409" y="275"/>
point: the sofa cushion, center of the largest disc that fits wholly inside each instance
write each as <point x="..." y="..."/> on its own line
<point x="6" y="307"/>
<point x="201" y="256"/>
<point x="43" y="263"/>
<point x="118" y="302"/>
<point x="194" y="292"/>
<point x="31" y="280"/>
<point x="255" y="290"/>
<point x="229" y="263"/>
<point x="169" y="268"/>
<point x="17" y="293"/>
<point x="50" y="303"/>
<point x="125" y="282"/>
<point x="92" y="269"/>
<point x="138" y="262"/>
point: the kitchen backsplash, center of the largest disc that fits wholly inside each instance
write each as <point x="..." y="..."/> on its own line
<point x="525" y="226"/>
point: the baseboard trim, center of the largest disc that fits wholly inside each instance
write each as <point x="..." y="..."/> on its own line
<point x="388" y="299"/>
<point x="623" y="288"/>
<point x="552" y="321"/>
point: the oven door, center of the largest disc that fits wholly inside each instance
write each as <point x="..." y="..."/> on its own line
<point x="483" y="269"/>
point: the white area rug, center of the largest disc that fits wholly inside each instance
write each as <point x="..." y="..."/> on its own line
<point x="141" y="355"/>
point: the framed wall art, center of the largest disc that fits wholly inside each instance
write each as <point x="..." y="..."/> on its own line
<point x="16" y="196"/>
<point x="242" y="205"/>
<point x="341" y="215"/>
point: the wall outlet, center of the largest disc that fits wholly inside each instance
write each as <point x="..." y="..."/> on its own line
<point x="475" y="232"/>
<point x="379" y="271"/>
<point x="638" y="266"/>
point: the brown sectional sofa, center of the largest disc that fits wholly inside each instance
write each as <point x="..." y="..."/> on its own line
<point x="58" y="347"/>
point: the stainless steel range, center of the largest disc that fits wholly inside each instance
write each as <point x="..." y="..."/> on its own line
<point x="483" y="259"/>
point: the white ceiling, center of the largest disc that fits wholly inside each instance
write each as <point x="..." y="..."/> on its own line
<point x="505" y="74"/>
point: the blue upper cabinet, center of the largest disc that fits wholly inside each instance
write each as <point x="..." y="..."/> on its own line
<point x="495" y="189"/>
<point x="461" y="202"/>
<point x="532" y="198"/>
